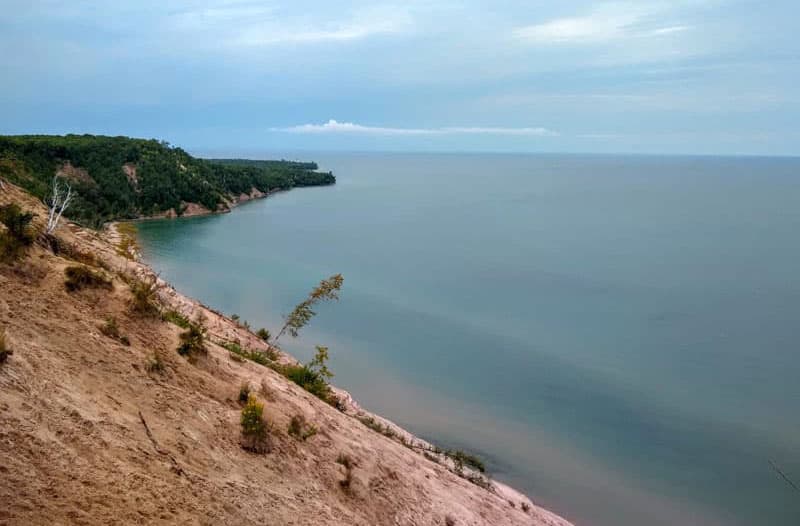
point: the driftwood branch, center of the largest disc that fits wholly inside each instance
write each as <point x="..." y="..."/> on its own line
<point x="175" y="466"/>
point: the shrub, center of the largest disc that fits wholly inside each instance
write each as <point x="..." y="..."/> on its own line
<point x="462" y="458"/>
<point x="300" y="429"/>
<point x="254" y="428"/>
<point x="347" y="461"/>
<point x="81" y="277"/>
<point x="377" y="426"/>
<point x="5" y="352"/>
<point x="143" y="300"/>
<point x="432" y="458"/>
<point x="308" y="379"/>
<point x="313" y="376"/>
<point x="244" y="393"/>
<point x="271" y="354"/>
<point x="19" y="233"/>
<point x="111" y="329"/>
<point x="192" y="341"/>
<point x="176" y="318"/>
<point x="155" y="364"/>
<point x="525" y="507"/>
<point x="263" y="334"/>
<point x="480" y="481"/>
<point x="249" y="354"/>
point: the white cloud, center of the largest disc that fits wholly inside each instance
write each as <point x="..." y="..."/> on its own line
<point x="333" y="126"/>
<point x="604" y="24"/>
<point x="669" y="30"/>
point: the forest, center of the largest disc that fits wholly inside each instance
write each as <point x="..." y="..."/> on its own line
<point x="125" y="178"/>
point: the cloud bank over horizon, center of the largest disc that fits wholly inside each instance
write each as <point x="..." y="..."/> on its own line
<point x="681" y="76"/>
<point x="333" y="126"/>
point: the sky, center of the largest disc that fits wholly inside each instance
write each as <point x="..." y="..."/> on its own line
<point x="659" y="76"/>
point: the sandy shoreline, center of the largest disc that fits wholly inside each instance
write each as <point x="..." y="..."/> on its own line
<point x="222" y="328"/>
<point x="55" y="337"/>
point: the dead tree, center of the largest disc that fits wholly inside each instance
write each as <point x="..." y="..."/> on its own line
<point x="58" y="202"/>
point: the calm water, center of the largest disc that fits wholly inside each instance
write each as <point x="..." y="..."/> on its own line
<point x="618" y="336"/>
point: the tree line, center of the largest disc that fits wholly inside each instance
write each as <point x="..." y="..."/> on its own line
<point x="124" y="178"/>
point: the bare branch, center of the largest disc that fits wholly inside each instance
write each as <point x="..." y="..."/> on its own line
<point x="176" y="467"/>
<point x="59" y="201"/>
<point x="784" y="476"/>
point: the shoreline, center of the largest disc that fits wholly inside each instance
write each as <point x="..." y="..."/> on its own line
<point x="223" y="328"/>
<point x="197" y="210"/>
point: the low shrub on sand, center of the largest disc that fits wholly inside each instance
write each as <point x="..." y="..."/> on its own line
<point x="349" y="464"/>
<point x="143" y="300"/>
<point x="18" y="232"/>
<point x="80" y="277"/>
<point x="193" y="341"/>
<point x="5" y="352"/>
<point x="111" y="329"/>
<point x="300" y="429"/>
<point x="254" y="427"/>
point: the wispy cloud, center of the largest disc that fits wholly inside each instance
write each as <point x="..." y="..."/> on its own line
<point x="336" y="127"/>
<point x="249" y="25"/>
<point x="607" y="23"/>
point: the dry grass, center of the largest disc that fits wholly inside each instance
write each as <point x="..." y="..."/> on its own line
<point x="349" y="464"/>
<point x="128" y="246"/>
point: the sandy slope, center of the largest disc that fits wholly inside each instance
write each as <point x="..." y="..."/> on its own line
<point x="75" y="450"/>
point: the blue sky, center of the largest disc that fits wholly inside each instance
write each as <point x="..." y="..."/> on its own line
<point x="678" y="76"/>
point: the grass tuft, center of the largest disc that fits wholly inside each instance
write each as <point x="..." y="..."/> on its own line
<point x="111" y="329"/>
<point x="155" y="364"/>
<point x="176" y="318"/>
<point x="300" y="429"/>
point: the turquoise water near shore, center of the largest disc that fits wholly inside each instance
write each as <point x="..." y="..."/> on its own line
<point x="616" y="335"/>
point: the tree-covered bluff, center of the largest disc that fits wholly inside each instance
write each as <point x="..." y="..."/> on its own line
<point x="125" y="178"/>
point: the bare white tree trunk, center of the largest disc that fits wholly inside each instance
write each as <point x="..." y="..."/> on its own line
<point x="59" y="201"/>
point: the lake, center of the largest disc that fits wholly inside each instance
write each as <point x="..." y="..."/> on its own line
<point x="616" y="335"/>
